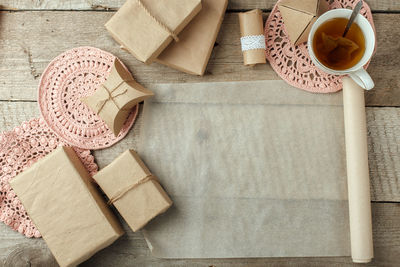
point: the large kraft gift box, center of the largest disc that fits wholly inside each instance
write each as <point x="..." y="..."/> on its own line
<point x="146" y="27"/>
<point x="196" y="41"/>
<point x="69" y="212"/>
<point x="133" y="190"/>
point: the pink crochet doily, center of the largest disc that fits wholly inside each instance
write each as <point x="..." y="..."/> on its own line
<point x="19" y="149"/>
<point x="73" y="74"/>
<point x="292" y="63"/>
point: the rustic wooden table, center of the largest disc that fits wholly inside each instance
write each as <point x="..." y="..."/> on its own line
<point x="33" y="32"/>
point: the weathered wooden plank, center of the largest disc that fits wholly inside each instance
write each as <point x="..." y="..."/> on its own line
<point x="383" y="142"/>
<point x="378" y="5"/>
<point x="132" y="250"/>
<point x="384" y="160"/>
<point x="30" y="40"/>
<point x="40" y="36"/>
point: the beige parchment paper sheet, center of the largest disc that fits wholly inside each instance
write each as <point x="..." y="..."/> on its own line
<point x="255" y="169"/>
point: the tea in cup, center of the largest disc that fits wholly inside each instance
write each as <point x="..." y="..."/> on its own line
<point x="339" y="55"/>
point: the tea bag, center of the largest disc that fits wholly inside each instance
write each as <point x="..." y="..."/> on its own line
<point x="338" y="49"/>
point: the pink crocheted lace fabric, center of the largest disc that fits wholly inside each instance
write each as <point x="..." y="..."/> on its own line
<point x="19" y="149"/>
<point x="73" y="74"/>
<point x="292" y="63"/>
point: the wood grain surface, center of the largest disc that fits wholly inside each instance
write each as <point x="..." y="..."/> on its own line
<point x="234" y="5"/>
<point x="33" y="32"/>
<point x="132" y="250"/>
<point x="32" y="39"/>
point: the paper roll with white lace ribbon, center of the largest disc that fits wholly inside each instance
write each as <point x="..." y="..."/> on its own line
<point x="252" y="37"/>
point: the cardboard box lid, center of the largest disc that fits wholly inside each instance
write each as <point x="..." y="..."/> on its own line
<point x="71" y="215"/>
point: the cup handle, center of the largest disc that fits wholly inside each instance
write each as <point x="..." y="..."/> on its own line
<point x="362" y="78"/>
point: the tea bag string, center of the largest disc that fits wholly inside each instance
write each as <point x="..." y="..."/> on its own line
<point x="168" y="30"/>
<point x="111" y="97"/>
<point x="122" y="192"/>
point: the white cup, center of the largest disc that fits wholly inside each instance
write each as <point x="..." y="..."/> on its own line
<point x="357" y="72"/>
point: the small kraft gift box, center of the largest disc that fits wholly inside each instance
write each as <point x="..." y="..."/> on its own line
<point x="299" y="16"/>
<point x="146" y="27"/>
<point x="133" y="190"/>
<point x="60" y="198"/>
<point x="114" y="99"/>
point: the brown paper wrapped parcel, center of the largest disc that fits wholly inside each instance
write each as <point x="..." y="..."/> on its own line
<point x="196" y="41"/>
<point x="146" y="27"/>
<point x="299" y="16"/>
<point x="69" y="212"/>
<point x="114" y="99"/>
<point x="133" y="190"/>
<point x="252" y="37"/>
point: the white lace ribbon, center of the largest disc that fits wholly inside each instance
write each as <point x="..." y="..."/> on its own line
<point x="252" y="42"/>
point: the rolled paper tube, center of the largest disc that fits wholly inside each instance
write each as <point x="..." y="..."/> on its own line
<point x="357" y="172"/>
<point x="252" y="37"/>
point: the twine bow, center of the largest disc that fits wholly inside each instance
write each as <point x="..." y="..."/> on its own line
<point x="100" y="105"/>
<point x="122" y="192"/>
<point x="162" y="25"/>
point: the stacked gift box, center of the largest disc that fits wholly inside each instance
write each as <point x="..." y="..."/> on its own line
<point x="178" y="34"/>
<point x="71" y="214"/>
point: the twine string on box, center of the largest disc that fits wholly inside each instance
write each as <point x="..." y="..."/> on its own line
<point x="162" y="25"/>
<point x="125" y="190"/>
<point x="110" y="96"/>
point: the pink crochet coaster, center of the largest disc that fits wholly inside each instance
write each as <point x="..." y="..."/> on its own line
<point x="19" y="149"/>
<point x="293" y="63"/>
<point x="73" y="74"/>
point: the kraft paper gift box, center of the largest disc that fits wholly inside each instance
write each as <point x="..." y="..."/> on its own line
<point x="146" y="27"/>
<point x="133" y="190"/>
<point x="196" y="41"/>
<point x="115" y="98"/>
<point x="73" y="218"/>
<point x="299" y="16"/>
